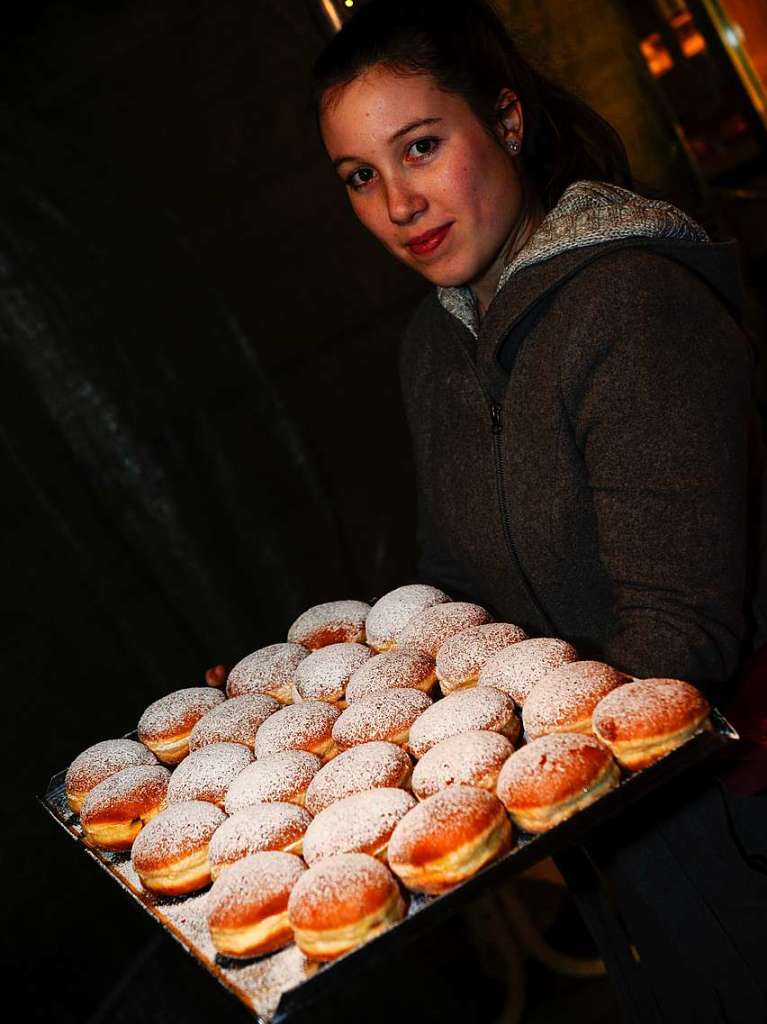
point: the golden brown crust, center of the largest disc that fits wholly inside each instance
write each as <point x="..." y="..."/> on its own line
<point x="350" y="891"/>
<point x="115" y="811"/>
<point x="564" y="700"/>
<point x="648" y="718"/>
<point x="402" y="668"/>
<point x="470" y="759"/>
<point x="335" y="622"/>
<point x="247" y="906"/>
<point x="448" y="838"/>
<point x="365" y="766"/>
<point x="166" y="724"/>
<point x="553" y="776"/>
<point x="306" y="726"/>
<point x="180" y="831"/>
<point x="98" y="762"/>
<point x="386" y="715"/>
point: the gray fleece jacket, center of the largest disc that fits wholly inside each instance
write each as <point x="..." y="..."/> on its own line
<point x="582" y="453"/>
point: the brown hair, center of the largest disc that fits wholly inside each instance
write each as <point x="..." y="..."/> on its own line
<point x="465" y="48"/>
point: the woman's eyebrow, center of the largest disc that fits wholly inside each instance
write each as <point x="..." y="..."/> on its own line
<point x="420" y="123"/>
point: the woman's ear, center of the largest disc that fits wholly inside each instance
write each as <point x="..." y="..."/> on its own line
<point x="509" y="121"/>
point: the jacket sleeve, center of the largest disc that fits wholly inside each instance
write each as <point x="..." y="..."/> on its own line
<point x="658" y="394"/>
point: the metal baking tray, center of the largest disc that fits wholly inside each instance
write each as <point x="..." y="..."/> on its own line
<point x="277" y="986"/>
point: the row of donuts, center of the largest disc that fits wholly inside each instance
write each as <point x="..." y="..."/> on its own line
<point x="377" y="713"/>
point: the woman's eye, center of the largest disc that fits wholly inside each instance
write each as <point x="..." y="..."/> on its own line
<point x="359" y="178"/>
<point x="423" y="147"/>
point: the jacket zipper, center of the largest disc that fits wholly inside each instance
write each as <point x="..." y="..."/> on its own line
<point x="497" y="431"/>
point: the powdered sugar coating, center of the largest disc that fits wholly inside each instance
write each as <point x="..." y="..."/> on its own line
<point x="331" y="623"/>
<point x="360" y="823"/>
<point x="391" y="613"/>
<point x="273" y="779"/>
<point x="176" y="832"/>
<point x="208" y="772"/>
<point x="402" y="668"/>
<point x="263" y="827"/>
<point x="331" y="893"/>
<point x="551" y="768"/>
<point x="471" y="758"/>
<point x="103" y="759"/>
<point x="482" y="707"/>
<point x="431" y="628"/>
<point x="442" y="824"/>
<point x="237" y="720"/>
<point x="263" y="879"/>
<point x="567" y="696"/>
<point x="387" y="715"/>
<point x="269" y="670"/>
<point x="648" y="708"/>
<point x="140" y="786"/>
<point x="461" y="658"/>
<point x="517" y="669"/>
<point x="325" y="673"/>
<point x="366" y="766"/>
<point x="177" y="712"/>
<point x="301" y="726"/>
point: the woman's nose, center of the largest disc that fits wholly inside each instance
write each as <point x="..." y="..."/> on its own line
<point x="404" y="203"/>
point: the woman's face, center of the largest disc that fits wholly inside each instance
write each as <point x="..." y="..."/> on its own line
<point x="424" y="175"/>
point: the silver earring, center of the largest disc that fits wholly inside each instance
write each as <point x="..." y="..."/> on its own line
<point x="513" y="146"/>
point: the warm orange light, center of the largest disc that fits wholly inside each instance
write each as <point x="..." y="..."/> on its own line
<point x="656" y="54"/>
<point x="691" y="42"/>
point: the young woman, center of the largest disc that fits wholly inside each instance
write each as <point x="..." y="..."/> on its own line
<point x="578" y="390"/>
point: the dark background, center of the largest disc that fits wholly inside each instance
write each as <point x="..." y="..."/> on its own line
<point x="200" y="424"/>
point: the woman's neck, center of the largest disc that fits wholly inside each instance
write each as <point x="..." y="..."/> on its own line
<point x="525" y="227"/>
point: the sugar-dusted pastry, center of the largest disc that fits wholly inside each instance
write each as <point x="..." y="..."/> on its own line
<point x="166" y="724"/>
<point x="402" y="668"/>
<point x="564" y="700"/>
<point x="247" y="907"/>
<point x="278" y="826"/>
<point x="646" y="719"/>
<point x="277" y="778"/>
<point x="305" y="726"/>
<point x="269" y="670"/>
<point x="324" y="675"/>
<point x="208" y="772"/>
<point x="481" y="707"/>
<point x="341" y="902"/>
<point x="472" y="758"/>
<point x="385" y="715"/>
<point x="461" y="658"/>
<point x="392" y="612"/>
<point x="551" y="778"/>
<point x="170" y="854"/>
<point x="99" y="762"/>
<point x="448" y="838"/>
<point x="365" y="766"/>
<point x="335" y="622"/>
<point x="114" y="812"/>
<point x="360" y="823"/>
<point x="237" y="720"/>
<point x="517" y="669"/>
<point x="434" y="626"/>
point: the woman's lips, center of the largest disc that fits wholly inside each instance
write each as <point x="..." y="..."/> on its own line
<point x="427" y="243"/>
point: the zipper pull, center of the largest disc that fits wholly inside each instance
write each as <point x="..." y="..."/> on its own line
<point x="495" y="411"/>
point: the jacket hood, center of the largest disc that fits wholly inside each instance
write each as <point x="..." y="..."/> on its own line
<point x="591" y="214"/>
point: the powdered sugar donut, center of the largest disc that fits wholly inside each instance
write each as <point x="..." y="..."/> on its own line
<point x="564" y="700"/>
<point x="517" y="669"/>
<point x="170" y="854"/>
<point x="335" y="622"/>
<point x="391" y="613"/>
<point x="448" y="838"/>
<point x="387" y="715"/>
<point x="100" y="761"/>
<point x="402" y="668"/>
<point x="480" y="707"/>
<point x="277" y="778"/>
<point x="166" y="724"/>
<point x="269" y="670"/>
<point x="278" y="826"/>
<point x="366" y="766"/>
<point x="114" y="812"/>
<point x="471" y="758"/>
<point x="208" y="772"/>
<point x="551" y="778"/>
<point x="431" y="628"/>
<point x="325" y="674"/>
<point x="305" y="726"/>
<point x="360" y="823"/>
<point x="643" y="720"/>
<point x="237" y="720"/>
<point x="461" y="658"/>
<point x="341" y="902"/>
<point x="248" y="905"/>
